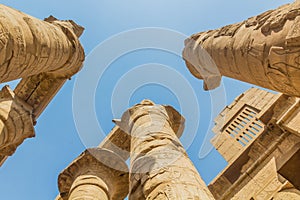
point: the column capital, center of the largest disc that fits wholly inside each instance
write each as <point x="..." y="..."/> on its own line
<point x="16" y="122"/>
<point x="261" y="50"/>
<point x="101" y="163"/>
<point x="146" y="107"/>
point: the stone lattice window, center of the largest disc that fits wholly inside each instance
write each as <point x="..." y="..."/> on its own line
<point x="245" y="127"/>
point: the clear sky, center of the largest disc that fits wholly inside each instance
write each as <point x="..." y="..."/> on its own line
<point x="153" y="73"/>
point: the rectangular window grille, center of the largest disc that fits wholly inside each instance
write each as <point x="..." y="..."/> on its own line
<point x="245" y="127"/>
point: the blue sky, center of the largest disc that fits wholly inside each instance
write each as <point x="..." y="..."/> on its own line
<point x="31" y="173"/>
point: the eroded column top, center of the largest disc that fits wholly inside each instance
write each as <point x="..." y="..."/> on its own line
<point x="99" y="162"/>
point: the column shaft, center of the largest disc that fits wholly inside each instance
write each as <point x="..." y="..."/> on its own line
<point x="44" y="54"/>
<point x="29" y="46"/>
<point x="89" y="187"/>
<point x="262" y="50"/>
<point x="160" y="167"/>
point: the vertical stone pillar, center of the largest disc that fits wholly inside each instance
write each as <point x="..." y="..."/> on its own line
<point x="97" y="174"/>
<point x="262" y="50"/>
<point x="44" y="54"/>
<point x="160" y="167"/>
<point x="15" y="122"/>
<point x="29" y="46"/>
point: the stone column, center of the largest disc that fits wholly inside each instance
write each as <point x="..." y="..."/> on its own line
<point x="97" y="174"/>
<point x="262" y="50"/>
<point x="15" y="122"/>
<point x="29" y="46"/>
<point x="44" y="54"/>
<point x="159" y="166"/>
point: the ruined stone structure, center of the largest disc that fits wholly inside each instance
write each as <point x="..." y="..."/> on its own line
<point x="259" y="136"/>
<point x="259" y="133"/>
<point x="43" y="54"/>
<point x="262" y="50"/>
<point x="97" y="174"/>
<point x="159" y="165"/>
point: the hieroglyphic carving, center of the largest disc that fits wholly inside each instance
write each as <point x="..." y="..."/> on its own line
<point x="261" y="186"/>
<point x="15" y="122"/>
<point x="30" y="46"/>
<point x="97" y="174"/>
<point x="160" y="167"/>
<point x="43" y="53"/>
<point x="263" y="50"/>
